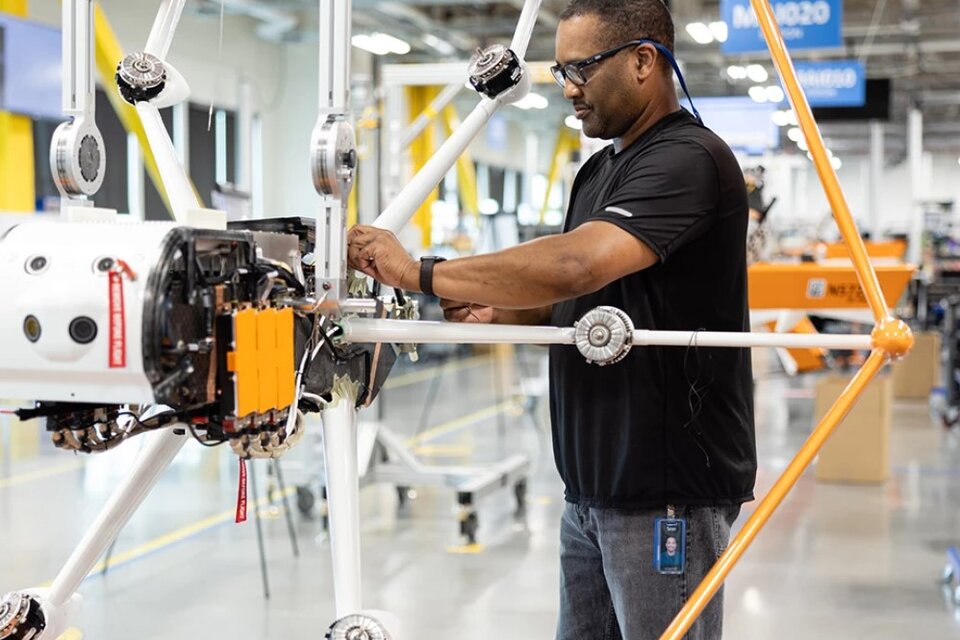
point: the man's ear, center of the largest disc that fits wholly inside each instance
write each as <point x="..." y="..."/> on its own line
<point x="646" y="57"/>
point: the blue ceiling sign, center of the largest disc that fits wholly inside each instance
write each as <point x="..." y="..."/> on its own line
<point x="837" y="83"/>
<point x="805" y="24"/>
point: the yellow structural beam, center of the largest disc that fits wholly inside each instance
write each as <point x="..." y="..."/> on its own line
<point x="891" y="337"/>
<point x="466" y="172"/>
<point x="567" y="140"/>
<point x="16" y="146"/>
<point x="14" y="7"/>
<point x="418" y="100"/>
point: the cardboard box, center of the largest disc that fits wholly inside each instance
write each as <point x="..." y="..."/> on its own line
<point x="859" y="449"/>
<point x="917" y="374"/>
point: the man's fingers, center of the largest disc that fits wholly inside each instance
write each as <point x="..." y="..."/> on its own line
<point x="458" y="314"/>
<point x="452" y="304"/>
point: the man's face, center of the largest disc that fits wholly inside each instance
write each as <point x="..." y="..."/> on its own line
<point x="671" y="545"/>
<point x="606" y="104"/>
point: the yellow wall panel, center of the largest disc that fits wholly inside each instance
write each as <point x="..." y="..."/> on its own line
<point x="17" y="191"/>
<point x="16" y="163"/>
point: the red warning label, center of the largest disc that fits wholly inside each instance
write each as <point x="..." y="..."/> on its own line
<point x="118" y="322"/>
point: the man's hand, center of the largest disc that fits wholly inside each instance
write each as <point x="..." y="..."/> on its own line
<point x="454" y="311"/>
<point x="378" y="253"/>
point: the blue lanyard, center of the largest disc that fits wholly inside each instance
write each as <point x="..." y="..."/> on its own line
<point x="676" y="68"/>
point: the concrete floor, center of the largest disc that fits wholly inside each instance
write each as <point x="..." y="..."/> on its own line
<point x="836" y="561"/>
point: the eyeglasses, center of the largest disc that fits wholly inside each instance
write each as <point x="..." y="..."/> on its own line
<point x="573" y="71"/>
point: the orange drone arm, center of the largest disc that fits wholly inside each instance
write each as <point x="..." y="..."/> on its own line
<point x="891" y="337"/>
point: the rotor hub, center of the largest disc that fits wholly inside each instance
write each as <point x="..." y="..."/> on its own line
<point x="357" y="627"/>
<point x="494" y="70"/>
<point x="89" y="158"/>
<point x="141" y="77"/>
<point x="604" y="335"/>
<point x="21" y="617"/>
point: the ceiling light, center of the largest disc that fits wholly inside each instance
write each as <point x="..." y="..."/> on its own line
<point x="775" y="94"/>
<point x="365" y="42"/>
<point x="758" y="94"/>
<point x="531" y="101"/>
<point x="795" y="134"/>
<point x="757" y="73"/>
<point x="836" y="163"/>
<point x="700" y="32"/>
<point x="572" y="122"/>
<point x="802" y="144"/>
<point x="719" y="31"/>
<point x="380" y="44"/>
<point x="396" y="45"/>
<point x="780" y="118"/>
<point x="736" y="72"/>
<point x="439" y="45"/>
<point x="792" y="118"/>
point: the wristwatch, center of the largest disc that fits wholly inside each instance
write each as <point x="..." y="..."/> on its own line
<point x="426" y="273"/>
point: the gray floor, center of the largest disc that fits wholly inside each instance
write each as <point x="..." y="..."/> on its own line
<point x="835" y="561"/>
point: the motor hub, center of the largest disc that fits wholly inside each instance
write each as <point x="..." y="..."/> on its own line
<point x="604" y="335"/>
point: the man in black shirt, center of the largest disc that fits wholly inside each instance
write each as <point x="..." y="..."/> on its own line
<point x="656" y="227"/>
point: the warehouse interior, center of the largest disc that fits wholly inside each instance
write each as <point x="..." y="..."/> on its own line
<point x="459" y="499"/>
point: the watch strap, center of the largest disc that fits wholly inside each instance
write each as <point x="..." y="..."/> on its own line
<point x="426" y="273"/>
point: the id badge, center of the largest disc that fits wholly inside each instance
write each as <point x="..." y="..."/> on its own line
<point x="669" y="545"/>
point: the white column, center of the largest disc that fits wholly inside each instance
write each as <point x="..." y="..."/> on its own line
<point x="915" y="159"/>
<point x="244" y="124"/>
<point x="343" y="499"/>
<point x="531" y="167"/>
<point x="875" y="182"/>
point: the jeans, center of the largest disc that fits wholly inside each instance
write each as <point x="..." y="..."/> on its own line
<point x="609" y="589"/>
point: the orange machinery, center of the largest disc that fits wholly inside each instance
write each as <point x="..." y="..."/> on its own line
<point x="833" y="290"/>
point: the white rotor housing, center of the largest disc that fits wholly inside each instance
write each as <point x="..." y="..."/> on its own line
<point x="54" y="273"/>
<point x="78" y="157"/>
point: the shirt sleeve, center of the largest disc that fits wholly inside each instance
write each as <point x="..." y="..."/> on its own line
<point x="667" y="197"/>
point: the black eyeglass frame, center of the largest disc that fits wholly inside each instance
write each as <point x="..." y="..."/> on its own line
<point x="562" y="72"/>
<point x="573" y="70"/>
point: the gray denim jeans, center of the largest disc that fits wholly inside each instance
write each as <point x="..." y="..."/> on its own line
<point x="609" y="589"/>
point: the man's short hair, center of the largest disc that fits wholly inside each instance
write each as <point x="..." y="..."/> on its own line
<point x="627" y="20"/>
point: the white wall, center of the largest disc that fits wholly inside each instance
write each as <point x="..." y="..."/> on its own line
<point x="802" y="200"/>
<point x="194" y="49"/>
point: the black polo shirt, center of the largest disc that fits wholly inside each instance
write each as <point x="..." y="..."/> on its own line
<point x="666" y="425"/>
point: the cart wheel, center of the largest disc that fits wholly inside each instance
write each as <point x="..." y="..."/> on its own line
<point x="520" y="493"/>
<point x="469" y="523"/>
<point x="948" y="574"/>
<point x="305" y="500"/>
<point x="949" y="417"/>
<point x="403" y="497"/>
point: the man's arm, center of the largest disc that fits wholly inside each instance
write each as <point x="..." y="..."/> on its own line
<point x="540" y="315"/>
<point x="469" y="312"/>
<point x="532" y="275"/>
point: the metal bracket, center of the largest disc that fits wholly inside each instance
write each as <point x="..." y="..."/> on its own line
<point x="77" y="154"/>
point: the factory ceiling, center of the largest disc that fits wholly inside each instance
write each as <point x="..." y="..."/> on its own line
<point x="915" y="44"/>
